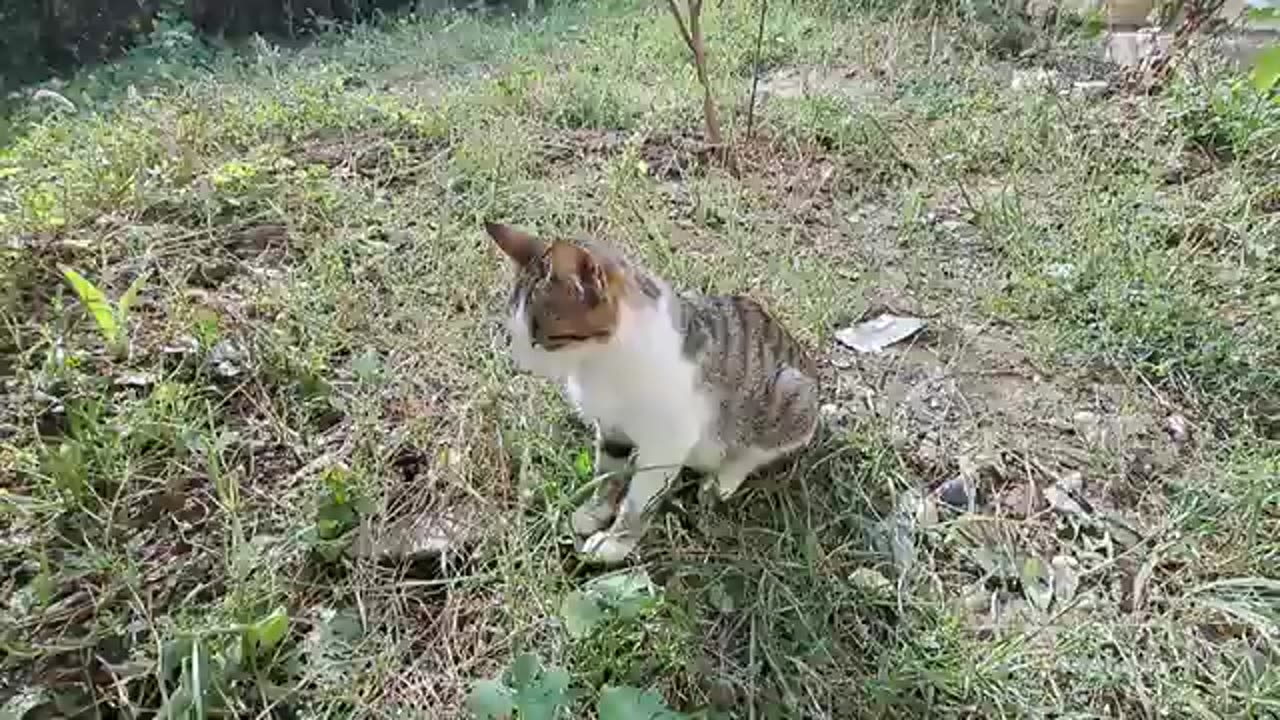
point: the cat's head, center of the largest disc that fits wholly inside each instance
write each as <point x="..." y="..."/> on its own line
<point x="566" y="297"/>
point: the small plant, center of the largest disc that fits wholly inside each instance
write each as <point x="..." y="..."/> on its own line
<point x="112" y="319"/>
<point x="529" y="691"/>
<point x="337" y="515"/>
<point x="208" y="666"/>
<point x="624" y="596"/>
<point x="207" y="328"/>
<point x="526" y="690"/>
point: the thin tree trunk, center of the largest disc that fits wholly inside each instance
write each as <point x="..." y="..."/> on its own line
<point x="692" y="35"/>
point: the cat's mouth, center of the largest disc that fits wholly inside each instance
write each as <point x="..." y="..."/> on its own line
<point x="559" y="340"/>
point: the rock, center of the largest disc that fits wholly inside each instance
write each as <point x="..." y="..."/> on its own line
<point x="1088" y="425"/>
<point x="1072" y="482"/>
<point x="418" y="536"/>
<point x="870" y="581"/>
<point x="226" y="359"/>
<point x="834" y="415"/>
<point x="1032" y="80"/>
<point x="182" y="345"/>
<point x="957" y="493"/>
<point x="875" y="335"/>
<point x="1060" y="271"/>
<point x="1062" y="501"/>
<point x="1131" y="48"/>
<point x="1066" y="578"/>
<point x="136" y="379"/>
<point x="1176" y="426"/>
<point x="1090" y="88"/>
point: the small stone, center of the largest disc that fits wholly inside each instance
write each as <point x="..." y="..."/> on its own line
<point x="977" y="599"/>
<point x="1060" y="271"/>
<point x="870" y="580"/>
<point x="183" y="345"/>
<point x="1037" y="79"/>
<point x="1088" y="425"/>
<point x="1062" y="501"/>
<point x="1176" y="426"/>
<point x="957" y="493"/>
<point x="1066" y="578"/>
<point x="137" y="379"/>
<point x="1072" y="482"/>
<point x="835" y="415"/>
<point x="225" y="358"/>
<point x="1091" y="88"/>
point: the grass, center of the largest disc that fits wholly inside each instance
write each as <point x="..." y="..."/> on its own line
<point x="315" y="359"/>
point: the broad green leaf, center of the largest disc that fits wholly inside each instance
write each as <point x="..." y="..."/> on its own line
<point x="17" y="707"/>
<point x="525" y="669"/>
<point x="343" y="627"/>
<point x="628" y="703"/>
<point x="1266" y="69"/>
<point x="367" y="366"/>
<point x="490" y="700"/>
<point x="173" y="655"/>
<point x="627" y="593"/>
<point x="542" y="698"/>
<point x="95" y="302"/>
<point x="269" y="631"/>
<point x="178" y="706"/>
<point x="580" y="613"/>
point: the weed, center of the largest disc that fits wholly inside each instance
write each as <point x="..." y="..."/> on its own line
<point x="112" y="319"/>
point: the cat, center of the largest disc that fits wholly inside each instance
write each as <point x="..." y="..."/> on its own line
<point x="713" y="383"/>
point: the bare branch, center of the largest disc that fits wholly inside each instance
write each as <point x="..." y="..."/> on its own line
<point x="755" y="73"/>
<point x="684" y="31"/>
<point x="692" y="34"/>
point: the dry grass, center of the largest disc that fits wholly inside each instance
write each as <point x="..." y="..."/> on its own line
<point x="317" y="361"/>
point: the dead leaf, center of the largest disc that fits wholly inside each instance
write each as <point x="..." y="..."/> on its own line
<point x="875" y="335"/>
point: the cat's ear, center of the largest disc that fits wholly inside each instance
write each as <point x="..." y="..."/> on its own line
<point x="593" y="275"/>
<point x="519" y="245"/>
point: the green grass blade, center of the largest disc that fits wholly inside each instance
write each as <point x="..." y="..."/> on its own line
<point x="93" y="299"/>
<point x="129" y="296"/>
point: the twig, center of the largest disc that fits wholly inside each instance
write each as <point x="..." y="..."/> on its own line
<point x="755" y="73"/>
<point x="692" y="35"/>
<point x="684" y="31"/>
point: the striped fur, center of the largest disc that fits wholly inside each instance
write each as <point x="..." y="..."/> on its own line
<point x="712" y="383"/>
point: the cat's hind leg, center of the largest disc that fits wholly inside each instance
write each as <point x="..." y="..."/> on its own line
<point x="613" y="455"/>
<point x="792" y="415"/>
<point x="737" y="466"/>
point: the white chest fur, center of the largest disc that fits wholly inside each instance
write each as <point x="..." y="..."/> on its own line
<point x="638" y="383"/>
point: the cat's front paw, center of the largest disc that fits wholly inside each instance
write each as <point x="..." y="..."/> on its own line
<point x="591" y="517"/>
<point x="608" y="548"/>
